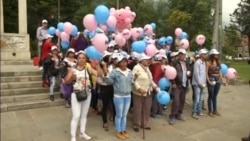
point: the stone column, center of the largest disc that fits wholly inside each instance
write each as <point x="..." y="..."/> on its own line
<point x="22" y="16"/>
<point x="1" y="15"/>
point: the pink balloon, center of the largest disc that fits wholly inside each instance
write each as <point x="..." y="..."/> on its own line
<point x="126" y="34"/>
<point x="104" y="27"/>
<point x="148" y="29"/>
<point x="178" y="32"/>
<point x="184" y="43"/>
<point x="68" y="27"/>
<point x="151" y="41"/>
<point x="127" y="8"/>
<point x="134" y="33"/>
<point x="89" y="22"/>
<point x="151" y="50"/>
<point x="200" y="39"/>
<point x="128" y="20"/>
<point x="170" y="72"/>
<point x="231" y="73"/>
<point x="112" y="10"/>
<point x="100" y="42"/>
<point x="111" y="21"/>
<point x="140" y="30"/>
<point x="64" y="36"/>
<point x="162" y="52"/>
<point x="58" y="33"/>
<point x="120" y="40"/>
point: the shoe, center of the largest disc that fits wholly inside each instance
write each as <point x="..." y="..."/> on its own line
<point x="73" y="139"/>
<point x="67" y="105"/>
<point x="106" y="127"/>
<point x="40" y="68"/>
<point x="245" y="139"/>
<point x="200" y="114"/>
<point x="45" y="85"/>
<point x="171" y="121"/>
<point x="195" y="116"/>
<point x="147" y="128"/>
<point x="84" y="136"/>
<point x="136" y="129"/>
<point x="210" y="114"/>
<point x="204" y="109"/>
<point x="62" y="96"/>
<point x="52" y="98"/>
<point x="216" y="113"/>
<point x="125" y="134"/>
<point x="120" y="136"/>
<point x="181" y="118"/>
<point x="153" y="115"/>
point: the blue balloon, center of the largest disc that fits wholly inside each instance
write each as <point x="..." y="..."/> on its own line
<point x="86" y="33"/>
<point x="52" y="30"/>
<point x="74" y="31"/>
<point x="111" y="29"/>
<point x="60" y="27"/>
<point x="163" y="97"/>
<point x="65" y="44"/>
<point x="164" y="84"/>
<point x="169" y="40"/>
<point x="184" y="35"/>
<point x="224" y="69"/>
<point x="153" y="26"/>
<point x="92" y="52"/>
<point x="101" y="14"/>
<point x="162" y="41"/>
<point x="139" y="46"/>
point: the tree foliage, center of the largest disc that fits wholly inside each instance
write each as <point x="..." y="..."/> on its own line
<point x="241" y="18"/>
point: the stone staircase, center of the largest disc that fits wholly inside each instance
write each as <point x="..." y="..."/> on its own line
<point x="21" y="88"/>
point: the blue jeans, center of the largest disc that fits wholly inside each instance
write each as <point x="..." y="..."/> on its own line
<point x="52" y="85"/>
<point x="122" y="105"/>
<point x="212" y="96"/>
<point x="198" y="99"/>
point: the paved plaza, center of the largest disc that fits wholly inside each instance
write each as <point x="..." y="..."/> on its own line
<point x="53" y="124"/>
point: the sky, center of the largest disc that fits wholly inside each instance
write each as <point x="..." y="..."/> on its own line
<point x="228" y="8"/>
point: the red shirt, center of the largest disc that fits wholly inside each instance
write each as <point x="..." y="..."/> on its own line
<point x="46" y="49"/>
<point x="157" y="72"/>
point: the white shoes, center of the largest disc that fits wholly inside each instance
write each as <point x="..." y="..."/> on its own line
<point x="40" y="68"/>
<point x="84" y="136"/>
<point x="73" y="139"/>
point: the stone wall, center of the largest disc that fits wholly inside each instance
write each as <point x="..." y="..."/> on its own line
<point x="15" y="47"/>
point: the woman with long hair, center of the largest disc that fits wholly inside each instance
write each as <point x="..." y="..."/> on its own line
<point x="214" y="80"/>
<point x="81" y="77"/>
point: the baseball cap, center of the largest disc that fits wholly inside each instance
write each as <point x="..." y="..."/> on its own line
<point x="159" y="57"/>
<point x="47" y="36"/>
<point x="71" y="50"/>
<point x="44" y="21"/>
<point x="203" y="51"/>
<point x="143" y="56"/>
<point x="53" y="48"/>
<point x="213" y="51"/>
<point x="183" y="51"/>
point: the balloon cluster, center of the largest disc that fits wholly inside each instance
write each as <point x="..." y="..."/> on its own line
<point x="230" y="73"/>
<point x="183" y="36"/>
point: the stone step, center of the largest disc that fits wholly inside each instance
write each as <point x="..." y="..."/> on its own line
<point x="28" y="62"/>
<point x="27" y="97"/>
<point x="28" y="73"/>
<point x="21" y="78"/>
<point x="16" y="85"/>
<point x="21" y="91"/>
<point x="31" y="105"/>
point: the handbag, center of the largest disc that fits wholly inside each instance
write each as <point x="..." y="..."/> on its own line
<point x="82" y="95"/>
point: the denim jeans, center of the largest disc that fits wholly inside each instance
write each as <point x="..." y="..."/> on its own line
<point x="213" y="91"/>
<point x="122" y="105"/>
<point x="198" y="99"/>
<point x="52" y="85"/>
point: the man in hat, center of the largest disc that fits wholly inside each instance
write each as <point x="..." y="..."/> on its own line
<point x="41" y="33"/>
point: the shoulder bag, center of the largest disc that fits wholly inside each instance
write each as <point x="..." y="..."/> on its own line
<point x="82" y="95"/>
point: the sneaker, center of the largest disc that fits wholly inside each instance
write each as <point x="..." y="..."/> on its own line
<point x="171" y="121"/>
<point x="67" y="105"/>
<point x="125" y="134"/>
<point x="84" y="136"/>
<point x="195" y="116"/>
<point x="52" y="98"/>
<point x="210" y="114"/>
<point x="73" y="139"/>
<point x="40" y="68"/>
<point x="200" y="114"/>
<point x="136" y="129"/>
<point x="120" y="136"/>
<point x="180" y="118"/>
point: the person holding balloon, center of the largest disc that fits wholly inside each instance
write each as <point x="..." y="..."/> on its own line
<point x="199" y="83"/>
<point x="214" y="79"/>
<point x="179" y="87"/>
<point x="142" y="90"/>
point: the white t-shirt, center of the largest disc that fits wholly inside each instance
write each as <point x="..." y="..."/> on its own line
<point x="81" y="74"/>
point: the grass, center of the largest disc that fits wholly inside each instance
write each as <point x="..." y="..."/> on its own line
<point x="242" y="68"/>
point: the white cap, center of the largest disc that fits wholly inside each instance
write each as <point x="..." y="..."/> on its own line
<point x="120" y="57"/>
<point x="112" y="44"/>
<point x="183" y="51"/>
<point x="80" y="52"/>
<point x="159" y="57"/>
<point x="203" y="51"/>
<point x="213" y="51"/>
<point x="173" y="54"/>
<point x="47" y="36"/>
<point x="114" y="55"/>
<point x="44" y="21"/>
<point x="143" y="56"/>
<point x="53" y="48"/>
<point x="134" y="55"/>
<point x="106" y="53"/>
<point x="71" y="50"/>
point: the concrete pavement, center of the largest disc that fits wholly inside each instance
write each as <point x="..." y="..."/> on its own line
<point x="53" y="124"/>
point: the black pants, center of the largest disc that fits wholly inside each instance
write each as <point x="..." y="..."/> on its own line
<point x="94" y="99"/>
<point x="107" y="94"/>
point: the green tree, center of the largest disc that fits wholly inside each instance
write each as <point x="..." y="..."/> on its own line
<point x="241" y="18"/>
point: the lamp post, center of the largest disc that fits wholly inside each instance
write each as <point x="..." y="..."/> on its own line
<point x="59" y="16"/>
<point x="117" y="4"/>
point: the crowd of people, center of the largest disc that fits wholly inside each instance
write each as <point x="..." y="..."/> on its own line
<point x="125" y="80"/>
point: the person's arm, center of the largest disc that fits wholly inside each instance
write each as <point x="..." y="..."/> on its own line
<point x="134" y="72"/>
<point x="207" y="68"/>
<point x="39" y="36"/>
<point x="70" y="77"/>
<point x="197" y="77"/>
